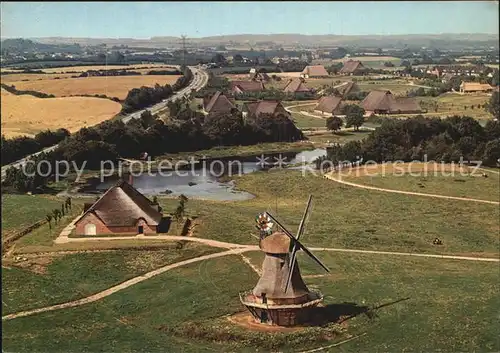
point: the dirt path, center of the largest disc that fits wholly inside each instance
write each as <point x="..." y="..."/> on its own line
<point x="331" y="177"/>
<point x="209" y="242"/>
<point x="233" y="249"/>
<point x="121" y="286"/>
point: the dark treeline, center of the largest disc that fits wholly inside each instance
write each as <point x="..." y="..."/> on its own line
<point x="143" y="97"/>
<point x="275" y="94"/>
<point x="164" y="72"/>
<point x="19" y="147"/>
<point x="112" y="72"/>
<point x="444" y="140"/>
<point x="12" y="89"/>
<point x="187" y="131"/>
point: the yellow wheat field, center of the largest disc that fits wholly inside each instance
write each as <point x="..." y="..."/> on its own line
<point x="116" y="86"/>
<point x="9" y="79"/>
<point x="27" y="115"/>
<point x="154" y="66"/>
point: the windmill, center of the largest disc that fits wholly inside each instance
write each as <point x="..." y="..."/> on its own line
<point x="281" y="297"/>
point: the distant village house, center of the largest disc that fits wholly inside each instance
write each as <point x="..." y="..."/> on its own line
<point x="353" y="67"/>
<point x="217" y="104"/>
<point x="329" y="105"/>
<point x="383" y="102"/>
<point x="314" y="71"/>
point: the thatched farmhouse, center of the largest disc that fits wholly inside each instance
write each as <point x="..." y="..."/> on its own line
<point x="353" y="67"/>
<point x="329" y="105"/>
<point x="120" y="210"/>
<point x="238" y="87"/>
<point x="296" y="85"/>
<point x="473" y="87"/>
<point x="272" y="108"/>
<point x="314" y="71"/>
<point x="217" y="104"/>
<point x="348" y="88"/>
<point x="383" y="102"/>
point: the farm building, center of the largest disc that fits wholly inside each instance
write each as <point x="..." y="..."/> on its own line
<point x="348" y="88"/>
<point x="273" y="108"/>
<point x="121" y="210"/>
<point x="471" y="87"/>
<point x="296" y="85"/>
<point x="314" y="71"/>
<point x="329" y="105"/>
<point x="353" y="67"/>
<point x="238" y="87"/>
<point x="383" y="102"/>
<point x="217" y="104"/>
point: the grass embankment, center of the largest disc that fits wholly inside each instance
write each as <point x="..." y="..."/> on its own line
<point x="452" y="304"/>
<point x="348" y="217"/>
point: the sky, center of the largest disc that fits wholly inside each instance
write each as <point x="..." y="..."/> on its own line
<point x="203" y="19"/>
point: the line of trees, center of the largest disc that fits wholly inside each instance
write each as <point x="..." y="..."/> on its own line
<point x="112" y="72"/>
<point x="410" y="139"/>
<point x="12" y="89"/>
<point x="143" y="97"/>
<point x="19" y="147"/>
<point x="188" y="131"/>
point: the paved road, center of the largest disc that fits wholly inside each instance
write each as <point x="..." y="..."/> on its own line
<point x="199" y="81"/>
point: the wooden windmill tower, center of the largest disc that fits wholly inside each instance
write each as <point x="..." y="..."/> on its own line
<point x="281" y="296"/>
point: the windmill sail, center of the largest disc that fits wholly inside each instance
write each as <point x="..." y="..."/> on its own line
<point x="296" y="243"/>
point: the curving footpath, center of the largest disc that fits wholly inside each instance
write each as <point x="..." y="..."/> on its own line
<point x="340" y="181"/>
<point x="233" y="250"/>
<point x="121" y="286"/>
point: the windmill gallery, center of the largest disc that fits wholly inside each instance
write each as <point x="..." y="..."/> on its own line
<point x="281" y="297"/>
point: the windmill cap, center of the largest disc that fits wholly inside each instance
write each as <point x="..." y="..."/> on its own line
<point x="276" y="243"/>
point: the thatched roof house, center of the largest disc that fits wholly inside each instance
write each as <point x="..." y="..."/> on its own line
<point x="470" y="87"/>
<point x="353" y="67"/>
<point x="330" y="105"/>
<point x="217" y="104"/>
<point x="314" y="71"/>
<point x="120" y="210"/>
<point x="296" y="85"/>
<point x="273" y="108"/>
<point x="246" y="86"/>
<point x="383" y="102"/>
<point x="348" y="88"/>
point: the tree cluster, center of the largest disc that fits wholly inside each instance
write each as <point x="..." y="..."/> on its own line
<point x="19" y="147"/>
<point x="439" y="139"/>
<point x="12" y="89"/>
<point x="112" y="72"/>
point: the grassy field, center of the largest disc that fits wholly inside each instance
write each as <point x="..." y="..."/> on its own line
<point x="304" y="122"/>
<point x="116" y="86"/>
<point x="27" y="115"/>
<point x="437" y="180"/>
<point x="21" y="211"/>
<point x="454" y="103"/>
<point x="321" y="139"/>
<point x="452" y="304"/>
<point x="348" y="217"/>
<point x="41" y="281"/>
